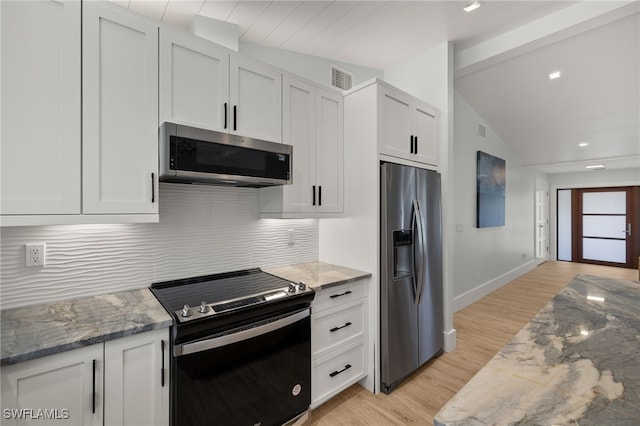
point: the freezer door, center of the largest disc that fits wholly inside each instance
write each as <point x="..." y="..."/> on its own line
<point x="430" y="311"/>
<point x="398" y="302"/>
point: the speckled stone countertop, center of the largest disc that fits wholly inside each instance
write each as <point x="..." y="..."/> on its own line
<point x="575" y="362"/>
<point x="318" y="275"/>
<point x="39" y="330"/>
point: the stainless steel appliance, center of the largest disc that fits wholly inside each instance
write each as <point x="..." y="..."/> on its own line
<point x="411" y="271"/>
<point x="193" y="155"/>
<point x="241" y="349"/>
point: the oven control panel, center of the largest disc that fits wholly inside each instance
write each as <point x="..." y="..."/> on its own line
<point x="189" y="313"/>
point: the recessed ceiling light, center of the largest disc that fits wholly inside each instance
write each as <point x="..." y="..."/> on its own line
<point x="554" y="75"/>
<point x="471" y="6"/>
<point x="583" y="144"/>
<point x="595" y="166"/>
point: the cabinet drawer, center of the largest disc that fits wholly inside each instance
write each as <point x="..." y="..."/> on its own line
<point x="338" y="295"/>
<point x="333" y="374"/>
<point x="336" y="326"/>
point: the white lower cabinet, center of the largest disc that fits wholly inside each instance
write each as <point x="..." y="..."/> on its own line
<point x="136" y="380"/>
<point x="116" y="383"/>
<point x="338" y="340"/>
<point x="64" y="388"/>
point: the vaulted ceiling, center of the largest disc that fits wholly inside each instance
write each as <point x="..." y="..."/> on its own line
<point x="504" y="50"/>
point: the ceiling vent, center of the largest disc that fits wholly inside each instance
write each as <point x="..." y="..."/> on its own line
<point x="482" y="131"/>
<point x="341" y="78"/>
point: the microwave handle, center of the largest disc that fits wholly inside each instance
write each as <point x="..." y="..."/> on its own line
<point x="245" y="334"/>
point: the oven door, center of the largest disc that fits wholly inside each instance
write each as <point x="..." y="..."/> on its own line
<point x="256" y="375"/>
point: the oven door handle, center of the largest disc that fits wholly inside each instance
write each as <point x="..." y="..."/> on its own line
<point x="228" y="339"/>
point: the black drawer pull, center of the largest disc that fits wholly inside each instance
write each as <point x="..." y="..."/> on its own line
<point x="333" y="296"/>
<point x="334" y="329"/>
<point x="335" y="373"/>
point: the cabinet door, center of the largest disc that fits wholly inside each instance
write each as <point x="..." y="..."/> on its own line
<point x="68" y="385"/>
<point x="40" y="158"/>
<point x="120" y="112"/>
<point x="424" y="128"/>
<point x="194" y="81"/>
<point x="299" y="131"/>
<point x="136" y="384"/>
<point x="395" y="126"/>
<point x="256" y="99"/>
<point x="329" y="151"/>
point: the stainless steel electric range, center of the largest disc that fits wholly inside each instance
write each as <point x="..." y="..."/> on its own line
<point x="241" y="348"/>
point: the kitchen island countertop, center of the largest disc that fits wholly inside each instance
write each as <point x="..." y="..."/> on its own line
<point x="39" y="330"/>
<point x="318" y="275"/>
<point x="575" y="362"/>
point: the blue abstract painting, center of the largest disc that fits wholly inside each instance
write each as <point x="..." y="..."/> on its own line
<point x="491" y="183"/>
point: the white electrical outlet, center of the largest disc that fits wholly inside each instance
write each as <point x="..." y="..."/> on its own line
<point x="35" y="254"/>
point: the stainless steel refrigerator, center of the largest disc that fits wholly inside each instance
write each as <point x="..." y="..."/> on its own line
<point x="411" y="323"/>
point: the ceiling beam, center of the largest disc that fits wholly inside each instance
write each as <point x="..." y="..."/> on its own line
<point x="567" y="22"/>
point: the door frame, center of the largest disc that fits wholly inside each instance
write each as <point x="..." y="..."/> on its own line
<point x="542" y="187"/>
<point x="633" y="217"/>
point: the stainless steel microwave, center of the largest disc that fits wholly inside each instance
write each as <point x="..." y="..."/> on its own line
<point x="193" y="155"/>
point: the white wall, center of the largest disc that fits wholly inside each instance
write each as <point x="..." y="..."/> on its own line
<point x="487" y="258"/>
<point x="202" y="230"/>
<point x="310" y="67"/>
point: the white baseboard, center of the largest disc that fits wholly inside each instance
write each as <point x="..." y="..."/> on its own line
<point x="482" y="290"/>
<point x="449" y="340"/>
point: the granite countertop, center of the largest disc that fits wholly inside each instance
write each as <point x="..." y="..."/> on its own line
<point x="39" y="330"/>
<point x="575" y="362"/>
<point x="318" y="275"/>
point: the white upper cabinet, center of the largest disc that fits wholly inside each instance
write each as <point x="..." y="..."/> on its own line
<point x="255" y="95"/>
<point x="40" y="108"/>
<point x="194" y="77"/>
<point x="120" y="112"/>
<point x="79" y="114"/>
<point x="313" y="125"/>
<point x="408" y="127"/>
<point x="208" y="86"/>
<point x="329" y="151"/>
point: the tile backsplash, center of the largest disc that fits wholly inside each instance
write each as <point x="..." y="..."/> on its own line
<point x="202" y="230"/>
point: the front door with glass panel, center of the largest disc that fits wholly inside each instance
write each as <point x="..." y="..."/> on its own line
<point x="605" y="220"/>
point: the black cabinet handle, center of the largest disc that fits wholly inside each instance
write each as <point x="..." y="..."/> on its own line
<point x="415" y="149"/>
<point x="335" y="373"/>
<point x="411" y="145"/>
<point x="235" y="117"/>
<point x="320" y="195"/>
<point x="153" y="187"/>
<point x="162" y="370"/>
<point x="93" y="398"/>
<point x="313" y="195"/>
<point x="334" y="329"/>
<point x="225" y="115"/>
<point x="333" y="296"/>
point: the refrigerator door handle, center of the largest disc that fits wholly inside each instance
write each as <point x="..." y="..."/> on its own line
<point x="420" y="249"/>
<point x="414" y="227"/>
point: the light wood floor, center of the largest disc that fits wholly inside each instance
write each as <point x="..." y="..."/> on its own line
<point x="483" y="328"/>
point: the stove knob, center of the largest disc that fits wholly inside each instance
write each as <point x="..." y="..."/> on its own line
<point x="186" y="311"/>
<point x="292" y="288"/>
<point x="302" y="286"/>
<point x="204" y="308"/>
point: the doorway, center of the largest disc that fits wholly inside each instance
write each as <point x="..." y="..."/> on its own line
<point x="599" y="226"/>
